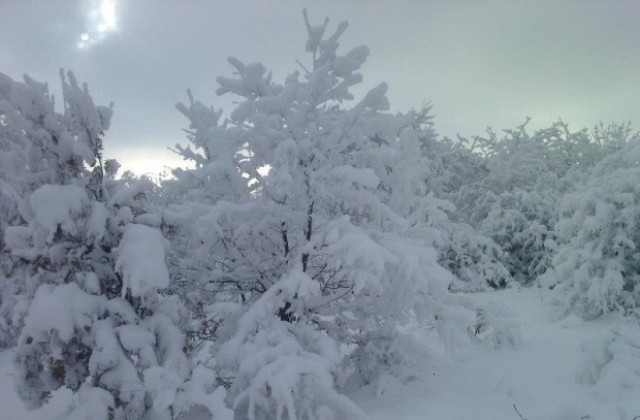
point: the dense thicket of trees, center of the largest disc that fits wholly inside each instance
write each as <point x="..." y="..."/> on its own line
<point x="287" y="268"/>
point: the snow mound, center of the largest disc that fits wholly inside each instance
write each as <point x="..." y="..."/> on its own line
<point x="612" y="364"/>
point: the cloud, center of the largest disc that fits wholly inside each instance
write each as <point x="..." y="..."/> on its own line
<point x="479" y="63"/>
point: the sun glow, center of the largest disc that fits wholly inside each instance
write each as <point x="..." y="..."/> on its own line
<point x="101" y="21"/>
<point x="107" y="14"/>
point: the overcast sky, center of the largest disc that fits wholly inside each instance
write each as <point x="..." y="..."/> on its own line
<point x="480" y="63"/>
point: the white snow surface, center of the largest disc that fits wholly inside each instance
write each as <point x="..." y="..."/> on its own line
<point x="542" y="376"/>
<point x="562" y="369"/>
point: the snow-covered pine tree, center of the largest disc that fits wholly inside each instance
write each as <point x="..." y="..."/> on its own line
<point x="304" y="242"/>
<point x="23" y="107"/>
<point x="46" y="244"/>
<point x="37" y="147"/>
<point x="96" y="327"/>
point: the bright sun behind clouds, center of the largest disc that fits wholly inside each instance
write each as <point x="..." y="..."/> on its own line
<point x="101" y="21"/>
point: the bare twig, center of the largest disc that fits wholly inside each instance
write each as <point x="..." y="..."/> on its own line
<point x="303" y="67"/>
<point x="518" y="413"/>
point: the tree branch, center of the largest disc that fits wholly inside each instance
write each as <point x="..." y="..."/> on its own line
<point x="518" y="413"/>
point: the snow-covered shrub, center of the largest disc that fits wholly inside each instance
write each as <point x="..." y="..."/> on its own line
<point x="596" y="264"/>
<point x="434" y="171"/>
<point x="451" y="168"/>
<point x="495" y="324"/>
<point x="513" y="200"/>
<point x="522" y="223"/>
<point x="95" y="323"/>
<point x="476" y="260"/>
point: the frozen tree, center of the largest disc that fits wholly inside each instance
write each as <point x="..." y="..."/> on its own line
<point x="596" y="264"/>
<point x="515" y="202"/>
<point x="301" y="238"/>
<point x="90" y="274"/>
<point x="442" y="170"/>
<point x="61" y="238"/>
<point x="37" y="147"/>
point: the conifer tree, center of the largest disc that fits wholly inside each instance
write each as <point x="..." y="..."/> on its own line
<point x="303" y="237"/>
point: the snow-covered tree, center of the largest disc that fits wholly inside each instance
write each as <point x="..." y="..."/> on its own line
<point x="40" y="147"/>
<point x="90" y="275"/>
<point x="301" y="239"/>
<point x="596" y="264"/>
<point x="514" y="200"/>
<point x="443" y="170"/>
<point x="31" y="134"/>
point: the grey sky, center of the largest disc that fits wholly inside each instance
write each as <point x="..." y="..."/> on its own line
<point x="480" y="63"/>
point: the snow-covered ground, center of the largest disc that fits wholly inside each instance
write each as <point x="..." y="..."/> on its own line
<point x="565" y="369"/>
<point x="558" y="371"/>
